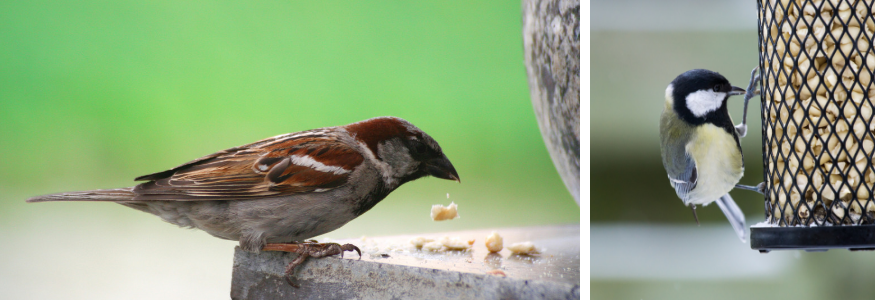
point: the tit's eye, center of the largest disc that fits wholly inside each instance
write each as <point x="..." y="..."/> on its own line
<point x="717" y="88"/>
<point x="419" y="147"/>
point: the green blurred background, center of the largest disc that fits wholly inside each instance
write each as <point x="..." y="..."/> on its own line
<point x="645" y="244"/>
<point x="95" y="93"/>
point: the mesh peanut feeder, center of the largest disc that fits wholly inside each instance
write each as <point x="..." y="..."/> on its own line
<point x="817" y="64"/>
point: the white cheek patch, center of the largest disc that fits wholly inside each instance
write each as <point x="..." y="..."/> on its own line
<point x="384" y="168"/>
<point x="702" y="102"/>
<point x="668" y="93"/>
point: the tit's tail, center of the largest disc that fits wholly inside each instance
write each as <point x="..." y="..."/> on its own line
<point x="734" y="215"/>
<point x="112" y="195"/>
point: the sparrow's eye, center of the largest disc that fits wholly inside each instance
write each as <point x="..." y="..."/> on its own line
<point x="419" y="147"/>
<point x="717" y="88"/>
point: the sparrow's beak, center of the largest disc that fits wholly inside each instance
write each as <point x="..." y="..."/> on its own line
<point x="736" y="91"/>
<point x="442" y="168"/>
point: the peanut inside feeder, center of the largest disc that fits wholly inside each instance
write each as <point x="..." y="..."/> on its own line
<point x="817" y="63"/>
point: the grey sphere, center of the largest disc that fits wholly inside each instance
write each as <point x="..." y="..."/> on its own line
<point x="551" y="37"/>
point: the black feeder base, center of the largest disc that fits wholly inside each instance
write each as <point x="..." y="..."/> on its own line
<point x="813" y="239"/>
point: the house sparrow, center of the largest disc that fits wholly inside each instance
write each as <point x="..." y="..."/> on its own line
<point x="270" y="194"/>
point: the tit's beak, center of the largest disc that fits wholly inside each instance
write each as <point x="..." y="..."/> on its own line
<point x="442" y="168"/>
<point x="736" y="91"/>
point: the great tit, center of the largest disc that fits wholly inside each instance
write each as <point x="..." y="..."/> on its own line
<point x="700" y="147"/>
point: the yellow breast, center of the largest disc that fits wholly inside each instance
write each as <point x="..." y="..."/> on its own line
<point x="719" y="163"/>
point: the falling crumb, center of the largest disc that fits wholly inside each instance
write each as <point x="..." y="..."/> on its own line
<point x="524" y="248"/>
<point x="433" y="246"/>
<point x="440" y="213"/>
<point x="494" y="242"/>
<point x="497" y="272"/>
<point x="456" y="243"/>
<point x="418" y="242"/>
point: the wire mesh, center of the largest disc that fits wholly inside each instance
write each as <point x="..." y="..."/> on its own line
<point x="817" y="60"/>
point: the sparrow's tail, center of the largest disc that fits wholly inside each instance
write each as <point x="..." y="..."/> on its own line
<point x="734" y="215"/>
<point x="113" y="195"/>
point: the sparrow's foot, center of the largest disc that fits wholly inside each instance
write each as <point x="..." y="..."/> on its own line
<point x="305" y="250"/>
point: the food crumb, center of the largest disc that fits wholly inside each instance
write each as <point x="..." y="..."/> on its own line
<point x="433" y="246"/>
<point x="524" y="248"/>
<point x="440" y="213"/>
<point x="456" y="243"/>
<point x="497" y="272"/>
<point x="494" y="242"/>
<point x="418" y="242"/>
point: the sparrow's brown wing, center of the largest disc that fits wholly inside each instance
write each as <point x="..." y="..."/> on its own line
<point x="309" y="161"/>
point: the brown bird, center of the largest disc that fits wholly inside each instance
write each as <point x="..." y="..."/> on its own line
<point x="274" y="193"/>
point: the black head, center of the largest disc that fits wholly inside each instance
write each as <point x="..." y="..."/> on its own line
<point x="699" y="96"/>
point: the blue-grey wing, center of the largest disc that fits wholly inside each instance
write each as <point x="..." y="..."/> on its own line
<point x="674" y="136"/>
<point x="682" y="173"/>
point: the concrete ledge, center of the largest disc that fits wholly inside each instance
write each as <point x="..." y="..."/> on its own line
<point x="454" y="275"/>
<point x="259" y="276"/>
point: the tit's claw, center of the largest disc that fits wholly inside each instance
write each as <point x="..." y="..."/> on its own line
<point x="741" y="129"/>
<point x="755" y="78"/>
<point x="759" y="188"/>
<point x="693" y="207"/>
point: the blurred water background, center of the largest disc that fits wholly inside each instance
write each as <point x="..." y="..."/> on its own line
<point x="644" y="242"/>
<point x="95" y="93"/>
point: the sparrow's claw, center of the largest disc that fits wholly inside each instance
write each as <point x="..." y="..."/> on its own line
<point x="290" y="268"/>
<point x="289" y="277"/>
<point x="305" y="250"/>
<point x="350" y="247"/>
